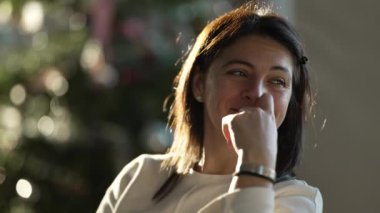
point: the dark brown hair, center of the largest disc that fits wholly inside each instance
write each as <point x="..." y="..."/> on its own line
<point x="186" y="114"/>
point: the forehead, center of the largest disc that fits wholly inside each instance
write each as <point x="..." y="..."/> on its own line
<point x="258" y="50"/>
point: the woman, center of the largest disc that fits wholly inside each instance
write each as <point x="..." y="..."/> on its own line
<point x="241" y="99"/>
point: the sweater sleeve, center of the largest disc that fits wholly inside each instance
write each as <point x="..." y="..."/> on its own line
<point x="297" y="197"/>
<point x="118" y="186"/>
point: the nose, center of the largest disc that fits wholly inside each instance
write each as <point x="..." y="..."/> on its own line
<point x="253" y="90"/>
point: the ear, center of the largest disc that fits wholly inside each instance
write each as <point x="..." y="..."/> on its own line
<point x="198" y="85"/>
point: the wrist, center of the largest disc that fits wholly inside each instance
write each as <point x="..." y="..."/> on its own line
<point x="245" y="158"/>
<point x="263" y="169"/>
<point x="244" y="181"/>
<point x="256" y="170"/>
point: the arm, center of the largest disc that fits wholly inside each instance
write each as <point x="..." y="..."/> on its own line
<point x="288" y="197"/>
<point x="253" y="199"/>
<point x="253" y="134"/>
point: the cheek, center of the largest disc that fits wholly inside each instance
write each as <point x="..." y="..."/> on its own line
<point x="281" y="104"/>
<point x="219" y="92"/>
<point x="219" y="98"/>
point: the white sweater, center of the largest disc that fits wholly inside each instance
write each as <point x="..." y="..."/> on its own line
<point x="134" y="187"/>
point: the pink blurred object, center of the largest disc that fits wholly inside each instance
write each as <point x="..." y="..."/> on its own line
<point x="102" y="16"/>
<point x="133" y="28"/>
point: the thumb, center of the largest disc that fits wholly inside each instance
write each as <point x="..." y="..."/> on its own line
<point x="265" y="102"/>
<point x="226" y="123"/>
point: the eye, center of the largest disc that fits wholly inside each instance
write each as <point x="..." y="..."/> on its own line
<point x="237" y="73"/>
<point x="279" y="82"/>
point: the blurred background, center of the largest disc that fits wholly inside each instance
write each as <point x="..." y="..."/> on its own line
<point x="82" y="85"/>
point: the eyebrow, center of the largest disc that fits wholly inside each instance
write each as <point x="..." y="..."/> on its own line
<point x="246" y="63"/>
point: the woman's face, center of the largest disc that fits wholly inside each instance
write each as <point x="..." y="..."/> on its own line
<point x="244" y="71"/>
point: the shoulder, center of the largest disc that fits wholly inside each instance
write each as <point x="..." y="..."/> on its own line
<point x="142" y="169"/>
<point x="145" y="166"/>
<point x="137" y="180"/>
<point x="299" y="192"/>
<point x="145" y="162"/>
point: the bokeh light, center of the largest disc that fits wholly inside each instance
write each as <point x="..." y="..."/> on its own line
<point x="9" y="139"/>
<point x="56" y="108"/>
<point x="32" y="17"/>
<point x="10" y="117"/>
<point x="62" y="121"/>
<point x="55" y="82"/>
<point x="93" y="61"/>
<point x="10" y="121"/>
<point x="91" y="54"/>
<point x="62" y="130"/>
<point x="17" y="94"/>
<point x="45" y="125"/>
<point x="24" y="188"/>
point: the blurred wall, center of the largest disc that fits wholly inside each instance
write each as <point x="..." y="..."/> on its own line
<point x="343" y="40"/>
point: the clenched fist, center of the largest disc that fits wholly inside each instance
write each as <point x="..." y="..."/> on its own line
<point x="253" y="132"/>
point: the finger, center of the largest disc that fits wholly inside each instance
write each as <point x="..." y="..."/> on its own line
<point x="265" y="102"/>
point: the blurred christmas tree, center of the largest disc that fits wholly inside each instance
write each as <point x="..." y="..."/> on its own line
<point x="81" y="90"/>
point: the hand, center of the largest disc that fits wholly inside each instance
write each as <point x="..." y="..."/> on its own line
<point x="253" y="132"/>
